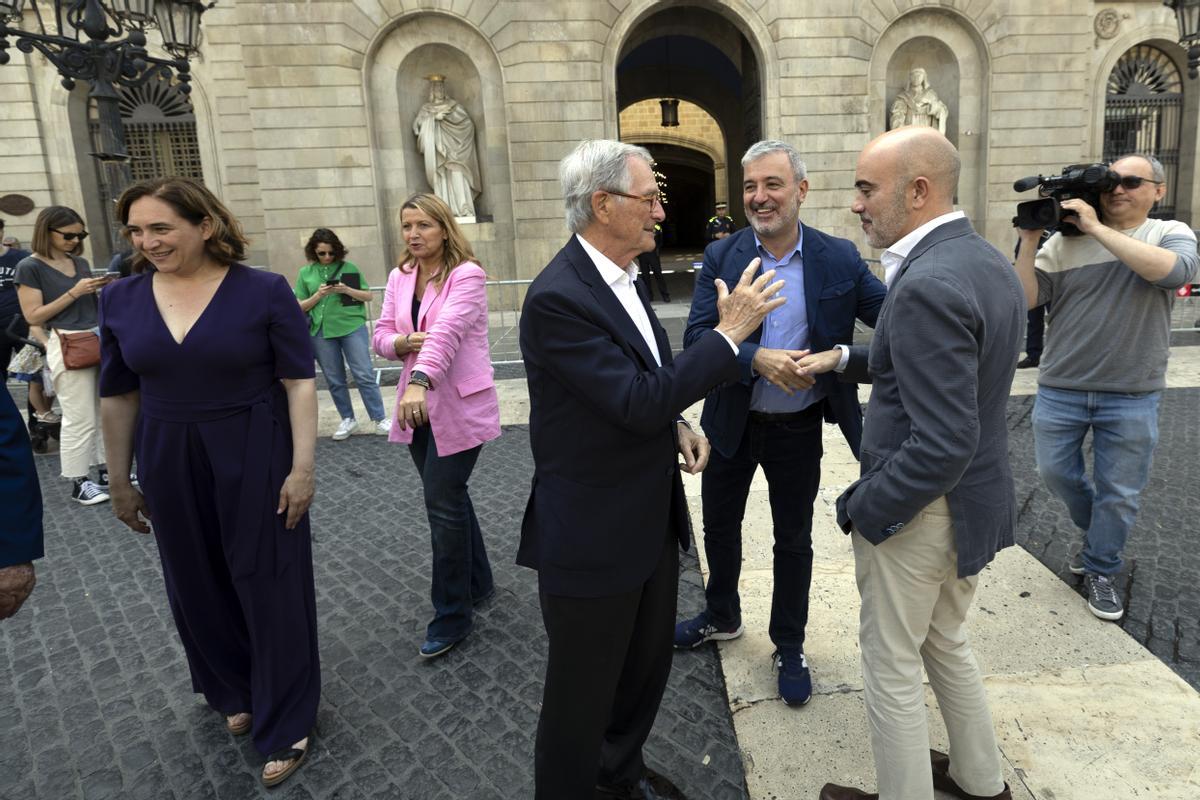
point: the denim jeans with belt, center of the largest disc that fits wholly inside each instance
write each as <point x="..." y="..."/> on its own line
<point x="461" y="573"/>
<point x="790" y="454"/>
<point x="1124" y="432"/>
<point x="355" y="347"/>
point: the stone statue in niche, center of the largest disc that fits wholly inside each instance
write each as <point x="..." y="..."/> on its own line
<point x="446" y="137"/>
<point x="919" y="104"/>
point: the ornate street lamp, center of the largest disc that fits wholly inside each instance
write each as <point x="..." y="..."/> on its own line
<point x="1187" y="14"/>
<point x="113" y="53"/>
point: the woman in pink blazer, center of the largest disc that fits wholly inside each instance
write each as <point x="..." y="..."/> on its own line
<point x="435" y="319"/>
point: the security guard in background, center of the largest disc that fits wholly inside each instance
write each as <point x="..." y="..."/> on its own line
<point x="651" y="265"/>
<point x="720" y="225"/>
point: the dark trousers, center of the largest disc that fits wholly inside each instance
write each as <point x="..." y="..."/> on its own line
<point x="461" y="572"/>
<point x="790" y="454"/>
<point x="251" y="642"/>
<point x="606" y="672"/>
<point x="652" y="264"/>
<point x="1035" y="331"/>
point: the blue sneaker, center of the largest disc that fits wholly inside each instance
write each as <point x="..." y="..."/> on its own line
<point x="698" y="630"/>
<point x="432" y="648"/>
<point x="795" y="684"/>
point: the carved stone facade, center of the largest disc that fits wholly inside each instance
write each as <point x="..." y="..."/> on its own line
<point x="304" y="110"/>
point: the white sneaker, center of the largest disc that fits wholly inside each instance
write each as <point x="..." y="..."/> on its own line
<point x="344" y="430"/>
<point x="88" y="493"/>
<point x="383" y="426"/>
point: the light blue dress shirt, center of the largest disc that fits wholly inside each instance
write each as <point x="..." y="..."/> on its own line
<point x="785" y="328"/>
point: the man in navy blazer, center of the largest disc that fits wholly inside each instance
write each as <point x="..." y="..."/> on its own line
<point x="771" y="415"/>
<point x="607" y="514"/>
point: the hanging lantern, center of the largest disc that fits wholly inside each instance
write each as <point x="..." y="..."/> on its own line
<point x="179" y="23"/>
<point x="670" y="112"/>
<point x="1187" y="15"/>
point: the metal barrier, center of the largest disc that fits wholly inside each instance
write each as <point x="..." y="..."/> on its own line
<point x="504" y="315"/>
<point x="1185" y="312"/>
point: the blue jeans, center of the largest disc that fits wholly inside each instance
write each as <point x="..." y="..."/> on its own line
<point x="355" y="347"/>
<point x="462" y="575"/>
<point x="1124" y="432"/>
<point x="790" y="455"/>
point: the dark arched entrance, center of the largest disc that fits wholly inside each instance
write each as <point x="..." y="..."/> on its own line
<point x="693" y="53"/>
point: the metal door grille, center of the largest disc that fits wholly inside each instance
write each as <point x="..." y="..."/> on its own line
<point x="1142" y="114"/>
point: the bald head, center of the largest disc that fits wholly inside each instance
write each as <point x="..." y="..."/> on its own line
<point x="920" y="151"/>
<point x="904" y="178"/>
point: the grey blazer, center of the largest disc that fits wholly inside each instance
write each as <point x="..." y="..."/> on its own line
<point x="941" y="364"/>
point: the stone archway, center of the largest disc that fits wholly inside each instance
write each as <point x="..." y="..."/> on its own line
<point x="717" y="56"/>
<point x="692" y="159"/>
<point x="397" y="63"/>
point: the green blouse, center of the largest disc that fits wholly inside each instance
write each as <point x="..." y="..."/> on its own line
<point x="329" y="318"/>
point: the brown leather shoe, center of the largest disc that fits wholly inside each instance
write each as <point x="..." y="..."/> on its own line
<point x="940" y="762"/>
<point x="832" y="791"/>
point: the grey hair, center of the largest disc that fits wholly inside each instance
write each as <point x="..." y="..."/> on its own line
<point x="768" y="146"/>
<point x="595" y="165"/>
<point x="1157" y="172"/>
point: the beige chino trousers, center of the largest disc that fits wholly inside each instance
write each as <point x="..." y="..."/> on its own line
<point x="78" y="390"/>
<point x="913" y="611"/>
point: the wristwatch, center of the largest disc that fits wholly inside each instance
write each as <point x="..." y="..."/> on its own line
<point x="420" y="379"/>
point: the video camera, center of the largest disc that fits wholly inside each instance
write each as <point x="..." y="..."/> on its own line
<point x="1083" y="181"/>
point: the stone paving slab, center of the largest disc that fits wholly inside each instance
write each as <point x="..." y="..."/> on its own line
<point x="96" y="702"/>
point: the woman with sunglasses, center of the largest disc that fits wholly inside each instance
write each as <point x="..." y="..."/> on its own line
<point x="435" y="319"/>
<point x="332" y="292"/>
<point x="207" y="372"/>
<point x="57" y="291"/>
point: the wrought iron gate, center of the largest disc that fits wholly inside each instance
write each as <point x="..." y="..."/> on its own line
<point x="1142" y="114"/>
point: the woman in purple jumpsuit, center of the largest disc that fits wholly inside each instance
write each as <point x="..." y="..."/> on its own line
<point x="207" y="370"/>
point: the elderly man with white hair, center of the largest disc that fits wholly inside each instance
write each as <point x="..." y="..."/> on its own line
<point x="607" y="513"/>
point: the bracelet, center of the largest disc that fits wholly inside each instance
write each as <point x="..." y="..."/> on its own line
<point x="73" y="297"/>
<point x="418" y="378"/>
<point x="407" y="343"/>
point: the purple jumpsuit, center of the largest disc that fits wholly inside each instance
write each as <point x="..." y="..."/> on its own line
<point x="213" y="445"/>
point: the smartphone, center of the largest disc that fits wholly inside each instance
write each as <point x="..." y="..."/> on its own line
<point x="332" y="282"/>
<point x="112" y="273"/>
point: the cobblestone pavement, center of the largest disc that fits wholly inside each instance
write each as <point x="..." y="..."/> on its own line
<point x="95" y="699"/>
<point x="1160" y="580"/>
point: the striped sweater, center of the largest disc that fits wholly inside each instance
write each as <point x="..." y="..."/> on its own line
<point x="1108" y="327"/>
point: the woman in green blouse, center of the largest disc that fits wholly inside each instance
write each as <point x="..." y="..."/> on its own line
<point x="332" y="292"/>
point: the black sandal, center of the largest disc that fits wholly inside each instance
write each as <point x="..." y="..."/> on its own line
<point x="295" y="755"/>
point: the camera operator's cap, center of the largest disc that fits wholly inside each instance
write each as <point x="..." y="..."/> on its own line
<point x="722" y="204"/>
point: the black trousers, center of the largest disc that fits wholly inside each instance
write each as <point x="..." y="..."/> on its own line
<point x="652" y="265"/>
<point x="607" y="669"/>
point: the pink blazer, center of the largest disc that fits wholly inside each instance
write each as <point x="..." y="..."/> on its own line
<point x="463" y="408"/>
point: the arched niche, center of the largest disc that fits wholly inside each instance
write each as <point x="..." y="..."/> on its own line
<point x="398" y="62"/>
<point x="941" y="68"/>
<point x="955" y="58"/>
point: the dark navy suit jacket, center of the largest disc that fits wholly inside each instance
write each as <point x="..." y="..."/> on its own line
<point x="20" y="494"/>
<point x="838" y="287"/>
<point x="606" y="486"/>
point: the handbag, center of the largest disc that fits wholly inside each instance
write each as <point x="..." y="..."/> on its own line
<point x="79" y="350"/>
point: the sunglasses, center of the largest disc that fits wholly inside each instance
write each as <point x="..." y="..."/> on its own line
<point x="1131" y="182"/>
<point x="323" y="253"/>
<point x="70" y="237"/>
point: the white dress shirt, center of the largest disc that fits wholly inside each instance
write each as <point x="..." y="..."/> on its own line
<point x="893" y="257"/>
<point x="621" y="282"/>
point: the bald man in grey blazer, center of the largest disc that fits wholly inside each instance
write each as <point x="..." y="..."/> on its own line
<point x="935" y="501"/>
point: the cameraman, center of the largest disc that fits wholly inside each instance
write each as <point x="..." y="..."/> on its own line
<point x="1110" y="292"/>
